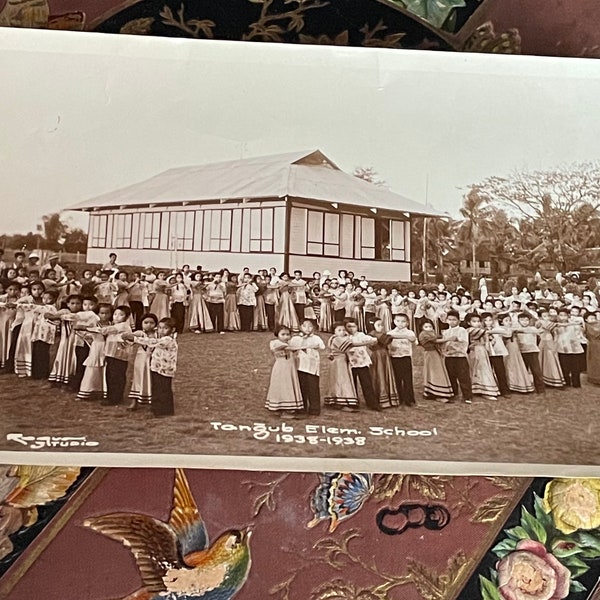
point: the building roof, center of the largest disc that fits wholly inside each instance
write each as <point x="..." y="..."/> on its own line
<point x="307" y="175"/>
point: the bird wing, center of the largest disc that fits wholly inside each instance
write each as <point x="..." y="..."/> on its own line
<point x="152" y="543"/>
<point x="185" y="519"/>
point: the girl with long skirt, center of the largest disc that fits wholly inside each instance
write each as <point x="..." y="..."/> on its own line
<point x="230" y="308"/>
<point x="285" y="313"/>
<point x="383" y="311"/>
<point x="23" y="350"/>
<point x="325" y="298"/>
<point x="381" y="369"/>
<point x="199" y="317"/>
<point x="549" y="363"/>
<point x="259" y="316"/>
<point x="592" y="333"/>
<point x="141" y="384"/>
<point x="341" y="392"/>
<point x="65" y="362"/>
<point x="159" y="305"/>
<point x="354" y="310"/>
<point x="93" y="384"/>
<point x="519" y="378"/>
<point x="122" y="285"/>
<point x="483" y="380"/>
<point x="8" y="310"/>
<point x="284" y="395"/>
<point x="436" y="383"/>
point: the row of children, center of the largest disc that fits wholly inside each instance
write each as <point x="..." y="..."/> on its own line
<point x="96" y="344"/>
<point x="491" y="356"/>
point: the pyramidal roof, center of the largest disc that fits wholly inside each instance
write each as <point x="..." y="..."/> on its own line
<point x="308" y="175"/>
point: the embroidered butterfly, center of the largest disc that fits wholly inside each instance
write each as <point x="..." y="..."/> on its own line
<point x="338" y="496"/>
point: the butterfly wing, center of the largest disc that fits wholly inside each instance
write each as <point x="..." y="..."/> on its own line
<point x="185" y="519"/>
<point x="152" y="543"/>
<point x="349" y="495"/>
<point x="319" y="501"/>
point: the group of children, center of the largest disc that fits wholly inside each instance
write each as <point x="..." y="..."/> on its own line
<point x="104" y="320"/>
<point x="488" y="354"/>
<point x="96" y="342"/>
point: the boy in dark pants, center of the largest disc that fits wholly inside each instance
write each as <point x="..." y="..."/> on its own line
<point x="497" y="351"/>
<point x="400" y="350"/>
<point x="308" y="345"/>
<point x="455" y="351"/>
<point x="163" y="364"/>
<point x="117" y="355"/>
<point x="569" y="347"/>
<point x="360" y="363"/>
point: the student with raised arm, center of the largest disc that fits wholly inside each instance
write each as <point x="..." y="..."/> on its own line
<point x="455" y="351"/>
<point x="360" y="363"/>
<point x="400" y="350"/>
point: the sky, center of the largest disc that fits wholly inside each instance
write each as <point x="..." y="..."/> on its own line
<point x="86" y="114"/>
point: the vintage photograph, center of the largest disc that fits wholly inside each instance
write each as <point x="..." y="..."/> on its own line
<point x="240" y="251"/>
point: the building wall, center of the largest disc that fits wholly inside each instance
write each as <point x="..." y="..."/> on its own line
<point x="368" y="244"/>
<point x="230" y="234"/>
<point x="374" y="270"/>
<point x="210" y="261"/>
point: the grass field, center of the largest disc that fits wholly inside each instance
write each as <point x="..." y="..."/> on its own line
<point x="224" y="378"/>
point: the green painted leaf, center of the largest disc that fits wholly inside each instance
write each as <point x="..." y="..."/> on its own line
<point x="489" y="591"/>
<point x="575" y="565"/>
<point x="561" y="552"/>
<point x="589" y="541"/>
<point x="540" y="514"/>
<point x="518" y="533"/>
<point x="501" y="549"/>
<point x="576" y="587"/>
<point x="533" y="526"/>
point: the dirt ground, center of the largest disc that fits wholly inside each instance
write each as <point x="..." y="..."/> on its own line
<point x="224" y="378"/>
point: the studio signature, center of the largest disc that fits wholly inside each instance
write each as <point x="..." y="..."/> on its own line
<point x="49" y="441"/>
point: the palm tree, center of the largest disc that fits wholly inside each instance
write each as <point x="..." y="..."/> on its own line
<point x="475" y="225"/>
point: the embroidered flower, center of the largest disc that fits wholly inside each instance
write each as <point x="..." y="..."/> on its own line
<point x="573" y="503"/>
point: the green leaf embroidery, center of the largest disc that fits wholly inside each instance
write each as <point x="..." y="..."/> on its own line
<point x="533" y="526"/>
<point x="576" y="587"/>
<point x="518" y="533"/>
<point x="489" y="591"/>
<point x="504" y="548"/>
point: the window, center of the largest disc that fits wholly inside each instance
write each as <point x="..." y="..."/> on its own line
<point x="261" y="229"/>
<point x="150" y="231"/>
<point x="367" y="237"/>
<point x="122" y="230"/>
<point x="216" y="233"/>
<point x="399" y="231"/>
<point x="183" y="226"/>
<point x="98" y="231"/>
<point x="323" y="233"/>
<point x="382" y="239"/>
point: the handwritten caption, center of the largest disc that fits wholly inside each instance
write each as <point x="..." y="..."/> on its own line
<point x="313" y="435"/>
<point x="49" y="441"/>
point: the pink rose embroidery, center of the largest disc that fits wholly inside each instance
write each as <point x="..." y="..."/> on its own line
<point x="532" y="573"/>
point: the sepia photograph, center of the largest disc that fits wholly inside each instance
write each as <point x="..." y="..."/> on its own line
<point x="233" y="252"/>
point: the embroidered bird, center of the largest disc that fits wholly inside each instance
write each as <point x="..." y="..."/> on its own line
<point x="175" y="559"/>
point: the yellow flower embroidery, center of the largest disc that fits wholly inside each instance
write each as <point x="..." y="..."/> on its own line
<point x="573" y="503"/>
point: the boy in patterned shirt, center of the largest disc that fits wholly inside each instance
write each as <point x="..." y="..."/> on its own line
<point x="163" y="364"/>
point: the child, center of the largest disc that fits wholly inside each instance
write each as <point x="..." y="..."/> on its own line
<point x="8" y="309"/>
<point x="400" y="351"/>
<point x="159" y="304"/>
<point x="483" y="381"/>
<point x="551" y="370"/>
<point x="370" y="297"/>
<point x="179" y="299"/>
<point x="360" y="363"/>
<point x="163" y="364"/>
<point x="141" y="385"/>
<point x="86" y="318"/>
<point x="106" y="290"/>
<point x="284" y="395"/>
<point x="65" y="361"/>
<point x="326" y="312"/>
<point x="497" y="351"/>
<point x="382" y="309"/>
<point x="200" y="321"/>
<point x="92" y="385"/>
<point x="23" y="350"/>
<point x="117" y="355"/>
<point x="436" y="383"/>
<point x="341" y="391"/>
<point x="44" y="334"/>
<point x="592" y="333"/>
<point x="569" y="348"/>
<point x="307" y="346"/>
<point x="518" y="377"/>
<point x="527" y="342"/>
<point x="381" y="369"/>
<point x="455" y="351"/>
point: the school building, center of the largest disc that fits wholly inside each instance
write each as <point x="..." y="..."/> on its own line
<point x="289" y="211"/>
